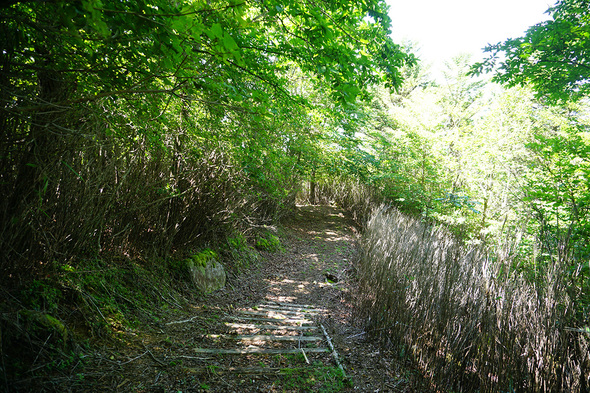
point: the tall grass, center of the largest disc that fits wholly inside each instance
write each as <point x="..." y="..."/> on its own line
<point x="463" y="316"/>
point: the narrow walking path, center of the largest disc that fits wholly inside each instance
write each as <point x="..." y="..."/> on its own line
<point x="286" y="325"/>
<point x="278" y="340"/>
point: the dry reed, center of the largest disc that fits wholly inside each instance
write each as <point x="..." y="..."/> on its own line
<point x="466" y="320"/>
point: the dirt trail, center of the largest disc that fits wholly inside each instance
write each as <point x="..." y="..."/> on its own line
<point x="266" y="332"/>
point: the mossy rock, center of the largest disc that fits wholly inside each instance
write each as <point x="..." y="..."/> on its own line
<point x="205" y="270"/>
<point x="38" y="321"/>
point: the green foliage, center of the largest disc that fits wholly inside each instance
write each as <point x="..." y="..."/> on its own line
<point x="552" y="56"/>
<point x="47" y="323"/>
<point x="317" y="378"/>
<point x="42" y="295"/>
<point x="459" y="202"/>
<point x="209" y="111"/>
<point x="321" y="379"/>
<point x="238" y="242"/>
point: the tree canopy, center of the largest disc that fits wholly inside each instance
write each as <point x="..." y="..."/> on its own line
<point x="553" y="56"/>
<point x="147" y="47"/>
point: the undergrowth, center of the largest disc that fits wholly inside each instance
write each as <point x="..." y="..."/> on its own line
<point x="318" y="378"/>
<point x="47" y="326"/>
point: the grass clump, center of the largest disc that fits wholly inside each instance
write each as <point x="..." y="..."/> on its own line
<point x="268" y="242"/>
<point x="239" y="254"/>
<point x="320" y="378"/>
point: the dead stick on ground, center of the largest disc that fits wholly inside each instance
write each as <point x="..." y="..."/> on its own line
<point x="356" y="335"/>
<point x="184" y="321"/>
<point x="153" y="357"/>
<point x="334" y="353"/>
<point x="304" y="355"/>
<point x="135" y="358"/>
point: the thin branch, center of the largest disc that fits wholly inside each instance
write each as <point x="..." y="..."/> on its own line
<point x="334" y="353"/>
<point x="65" y="104"/>
<point x="171" y="15"/>
<point x="183" y="321"/>
<point x="135" y="358"/>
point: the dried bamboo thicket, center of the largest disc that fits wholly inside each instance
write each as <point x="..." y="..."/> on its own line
<point x="90" y="192"/>
<point x="462" y="316"/>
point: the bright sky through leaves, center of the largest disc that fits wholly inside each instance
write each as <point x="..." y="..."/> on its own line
<point x="443" y="29"/>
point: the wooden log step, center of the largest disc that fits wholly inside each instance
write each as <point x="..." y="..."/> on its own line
<point x="290" y="309"/>
<point x="272" y="314"/>
<point x="261" y="351"/>
<point x="281" y="309"/>
<point x="264" y="311"/>
<point x="290" y="304"/>
<point x="248" y="370"/>
<point x="277" y="320"/>
<point x="269" y="327"/>
<point x="264" y="337"/>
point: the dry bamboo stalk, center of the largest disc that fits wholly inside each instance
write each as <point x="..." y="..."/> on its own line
<point x="334" y="353"/>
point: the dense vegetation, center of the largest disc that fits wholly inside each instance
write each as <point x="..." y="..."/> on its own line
<point x="140" y="128"/>
<point x="136" y="133"/>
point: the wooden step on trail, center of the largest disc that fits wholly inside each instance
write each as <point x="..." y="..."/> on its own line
<point x="294" y="307"/>
<point x="267" y="330"/>
<point x="275" y="313"/>
<point x="261" y="351"/>
<point x="253" y="326"/>
<point x="291" y="311"/>
<point x="247" y="370"/>
<point x="264" y="337"/>
<point x="290" y="305"/>
<point x="275" y="320"/>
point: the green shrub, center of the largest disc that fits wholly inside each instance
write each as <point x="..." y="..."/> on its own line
<point x="42" y="295"/>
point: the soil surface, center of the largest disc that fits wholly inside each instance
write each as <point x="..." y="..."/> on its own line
<point x="312" y="277"/>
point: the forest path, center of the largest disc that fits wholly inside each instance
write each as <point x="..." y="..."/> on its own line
<point x="269" y="331"/>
